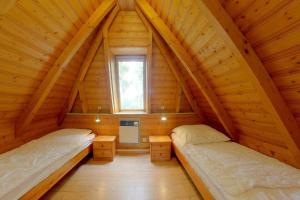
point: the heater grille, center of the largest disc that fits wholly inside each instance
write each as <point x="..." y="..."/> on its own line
<point x="129" y="131"/>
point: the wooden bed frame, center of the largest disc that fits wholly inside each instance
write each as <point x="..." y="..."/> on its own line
<point x="39" y="190"/>
<point x="201" y="187"/>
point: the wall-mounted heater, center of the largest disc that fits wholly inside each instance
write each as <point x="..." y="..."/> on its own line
<point x="129" y="131"/>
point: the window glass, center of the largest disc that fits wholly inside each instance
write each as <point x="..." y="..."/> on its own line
<point x="131" y="83"/>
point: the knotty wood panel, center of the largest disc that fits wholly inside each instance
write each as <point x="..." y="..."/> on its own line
<point x="273" y="30"/>
<point x="95" y="84"/>
<point x="32" y="35"/>
<point x="223" y="71"/>
<point x="127" y="30"/>
<point x="150" y="124"/>
<point x="37" y="129"/>
<point x="58" y="95"/>
<point x="126" y="27"/>
<point x="164" y="90"/>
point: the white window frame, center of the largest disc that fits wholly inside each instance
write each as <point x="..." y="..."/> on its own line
<point x="117" y="94"/>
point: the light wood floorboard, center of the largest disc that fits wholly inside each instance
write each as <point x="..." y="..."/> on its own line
<point x="127" y="177"/>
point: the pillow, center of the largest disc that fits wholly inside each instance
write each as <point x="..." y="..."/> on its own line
<point x="198" y="134"/>
<point x="69" y="132"/>
<point x="72" y="131"/>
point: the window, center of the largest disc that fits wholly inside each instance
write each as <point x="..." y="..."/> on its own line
<point x="130" y="83"/>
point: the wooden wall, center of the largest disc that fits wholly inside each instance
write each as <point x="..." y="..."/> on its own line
<point x="128" y="31"/>
<point x="32" y="36"/>
<point x="273" y="27"/>
<point x="34" y="33"/>
<point x="224" y="73"/>
<point x="165" y="89"/>
<point x="150" y="124"/>
<point x="127" y="4"/>
<point x="37" y="128"/>
<point x="95" y="86"/>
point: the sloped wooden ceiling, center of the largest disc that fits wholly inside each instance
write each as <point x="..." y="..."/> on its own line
<point x="34" y="33"/>
<point x="272" y="28"/>
<point x="127" y="31"/>
<point x="237" y="92"/>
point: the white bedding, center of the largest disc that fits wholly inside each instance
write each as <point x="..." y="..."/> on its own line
<point x="24" y="167"/>
<point x="232" y="171"/>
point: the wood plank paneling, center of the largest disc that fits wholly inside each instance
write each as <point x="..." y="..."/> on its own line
<point x="164" y="85"/>
<point x="222" y="69"/>
<point x="38" y="128"/>
<point x="150" y="124"/>
<point x="126" y="4"/>
<point x="272" y="27"/>
<point x="33" y="34"/>
<point x="95" y="83"/>
<point x="127" y="30"/>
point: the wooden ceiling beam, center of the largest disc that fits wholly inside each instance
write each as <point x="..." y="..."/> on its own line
<point x="56" y="70"/>
<point x="108" y="64"/>
<point x="188" y="63"/>
<point x="255" y="70"/>
<point x="97" y="41"/>
<point x="178" y="75"/>
<point x="82" y="96"/>
<point x="172" y="65"/>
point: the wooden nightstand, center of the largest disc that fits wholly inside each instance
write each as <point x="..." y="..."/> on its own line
<point x="160" y="148"/>
<point x="104" y="147"/>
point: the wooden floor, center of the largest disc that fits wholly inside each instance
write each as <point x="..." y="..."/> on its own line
<point x="127" y="177"/>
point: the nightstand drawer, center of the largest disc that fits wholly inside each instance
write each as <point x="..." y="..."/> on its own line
<point x="158" y="155"/>
<point x="103" y="153"/>
<point x="102" y="145"/>
<point x="160" y="147"/>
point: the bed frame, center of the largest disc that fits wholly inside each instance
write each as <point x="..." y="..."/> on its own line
<point x="201" y="187"/>
<point x="39" y="190"/>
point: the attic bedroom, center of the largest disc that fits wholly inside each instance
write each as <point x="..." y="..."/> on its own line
<point x="150" y="99"/>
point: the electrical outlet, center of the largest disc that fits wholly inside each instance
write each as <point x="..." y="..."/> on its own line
<point x="145" y="139"/>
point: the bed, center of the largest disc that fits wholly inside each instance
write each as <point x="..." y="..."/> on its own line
<point x="224" y="170"/>
<point x="30" y="170"/>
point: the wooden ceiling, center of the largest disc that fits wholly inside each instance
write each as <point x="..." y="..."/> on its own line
<point x="238" y="59"/>
<point x="128" y="5"/>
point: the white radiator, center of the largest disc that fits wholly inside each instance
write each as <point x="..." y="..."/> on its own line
<point x="129" y="132"/>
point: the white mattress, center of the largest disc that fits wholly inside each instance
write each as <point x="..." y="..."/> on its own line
<point x="24" y="167"/>
<point x="232" y="171"/>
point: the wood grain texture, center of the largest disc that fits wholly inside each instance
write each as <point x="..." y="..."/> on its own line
<point x="115" y="180"/>
<point x="33" y="34"/>
<point x="233" y="87"/>
<point x="255" y="70"/>
<point x="189" y="65"/>
<point x="163" y="83"/>
<point x="55" y="71"/>
<point x="271" y="30"/>
<point x="104" y="148"/>
<point x="150" y="124"/>
<point x="37" y="129"/>
<point x="95" y="44"/>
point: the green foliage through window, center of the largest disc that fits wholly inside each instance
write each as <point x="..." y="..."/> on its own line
<point x="131" y="84"/>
